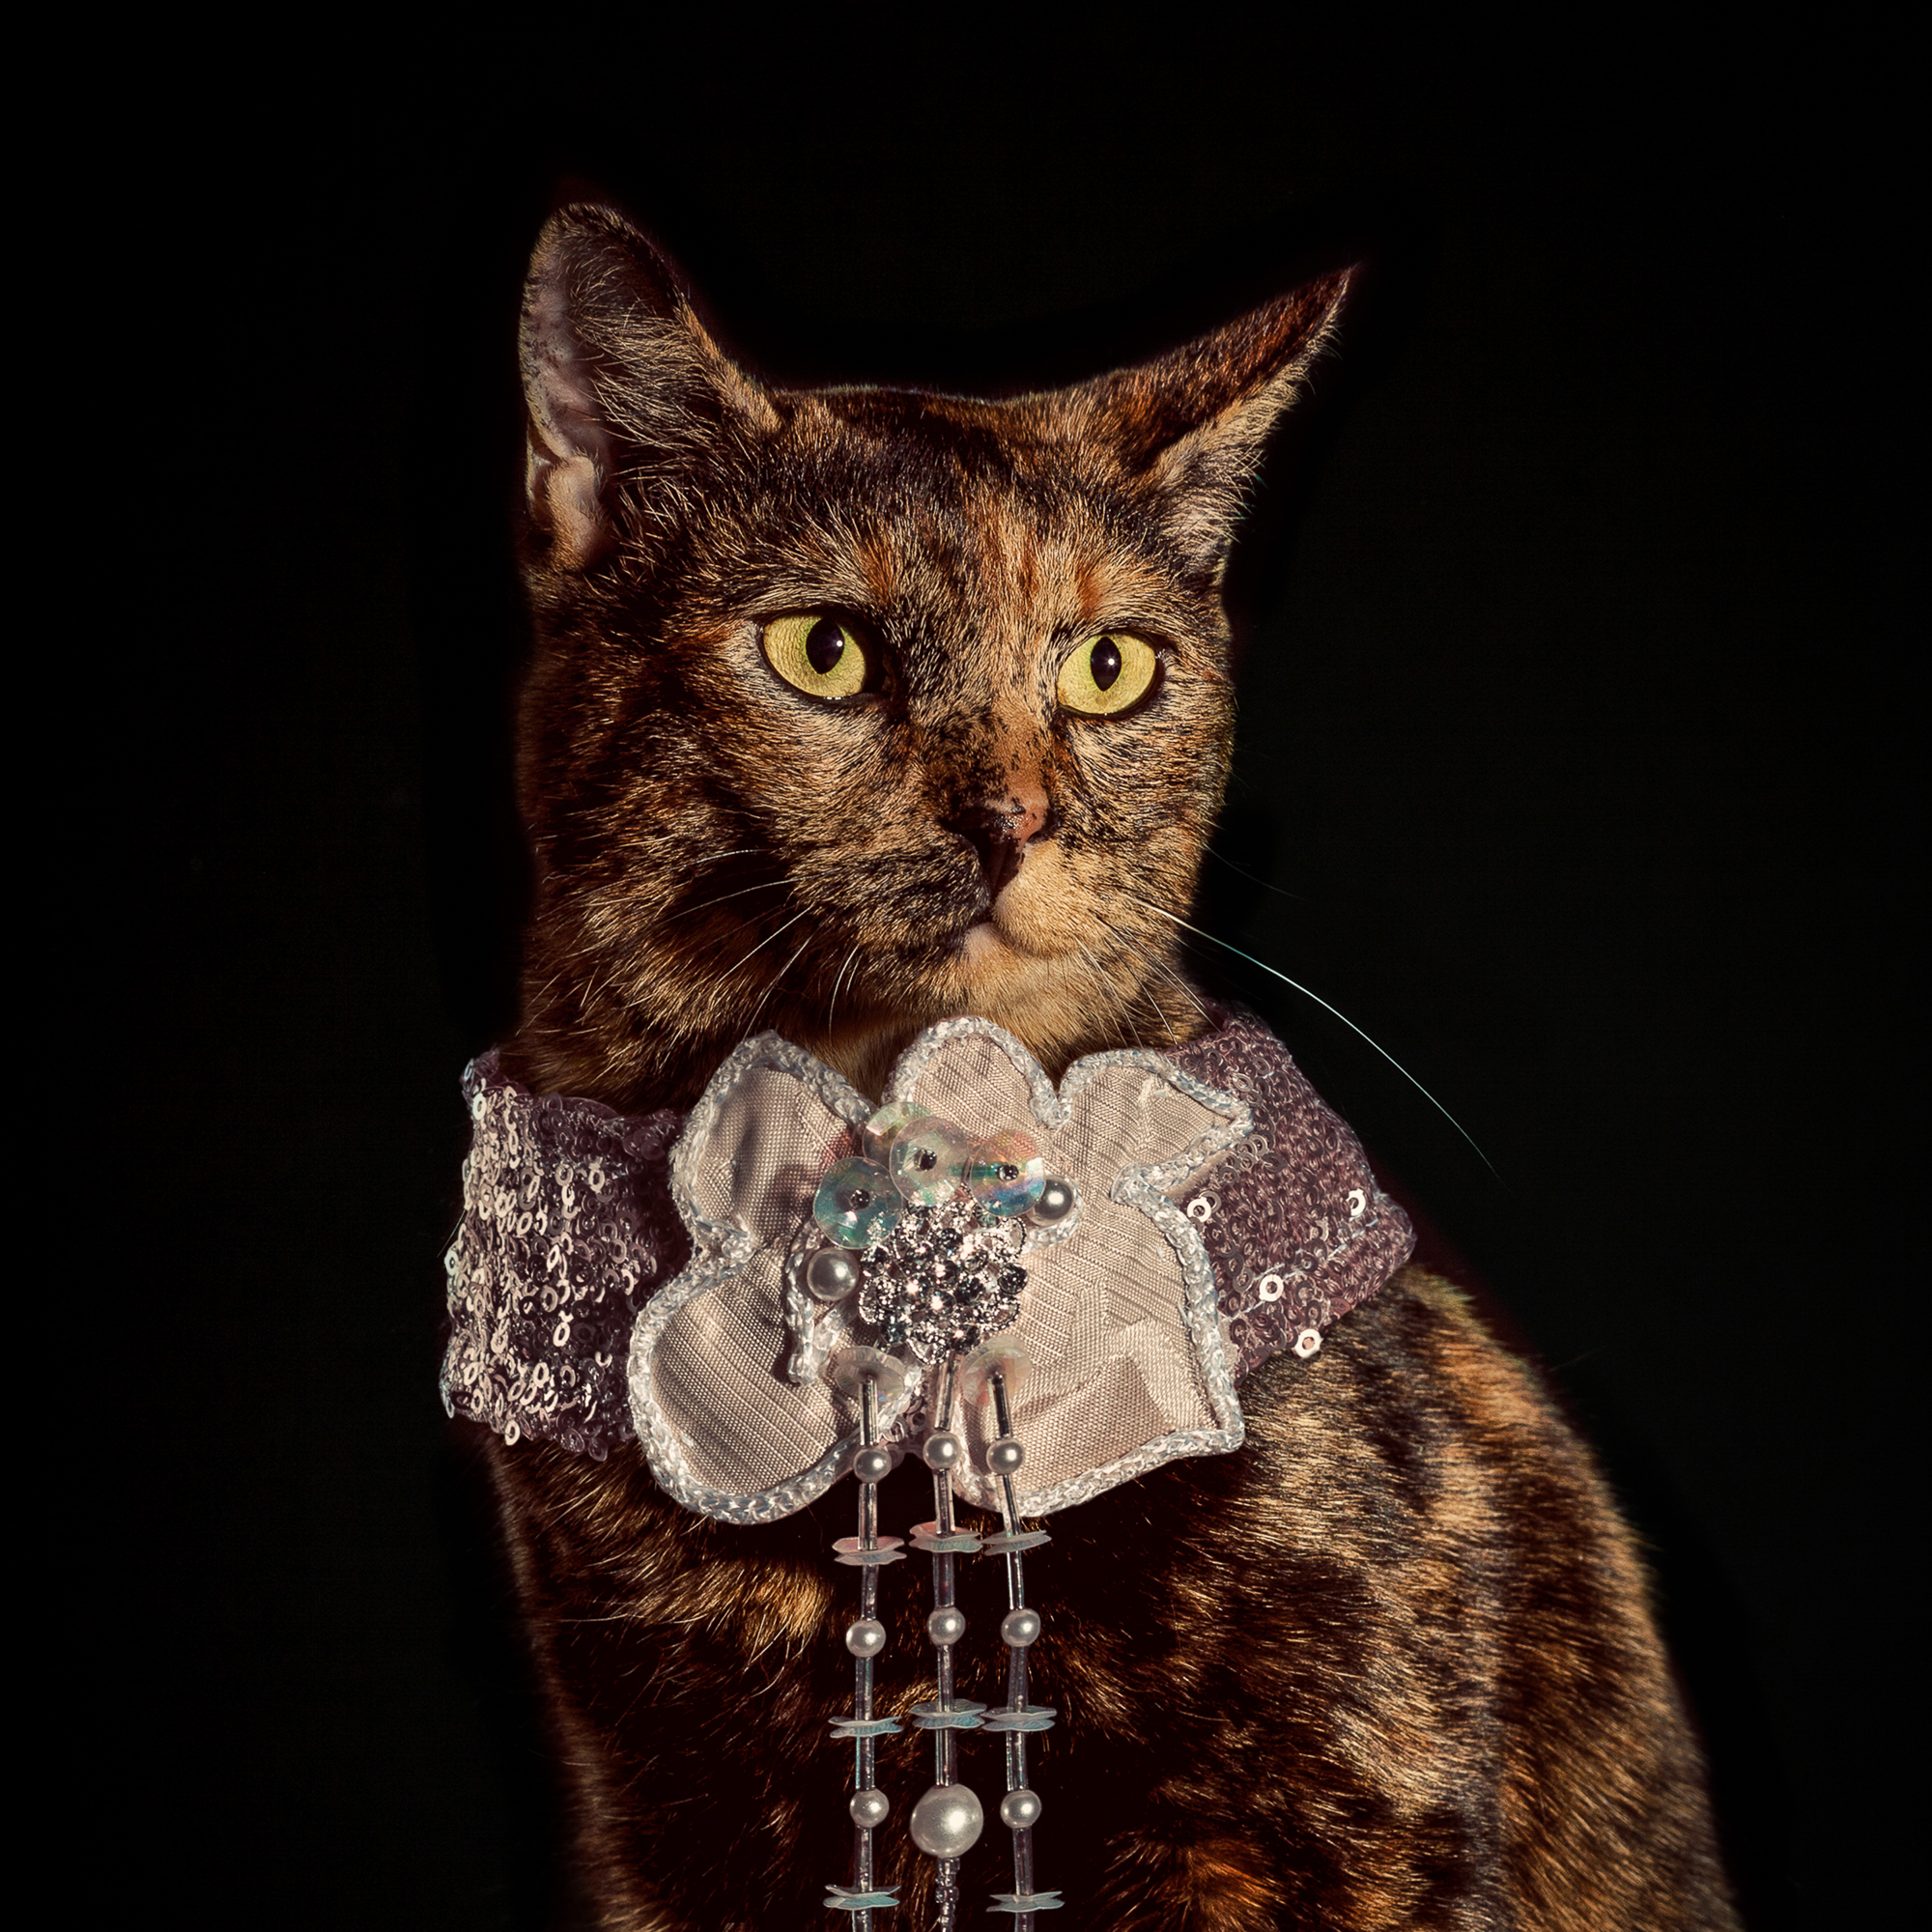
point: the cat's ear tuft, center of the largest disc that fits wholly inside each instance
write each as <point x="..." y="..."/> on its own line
<point x="622" y="383"/>
<point x="1191" y="426"/>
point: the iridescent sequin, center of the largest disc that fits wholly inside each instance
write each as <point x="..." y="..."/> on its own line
<point x="1006" y="1171"/>
<point x="855" y="1203"/>
<point x="888" y="1123"/>
<point x="929" y="1162"/>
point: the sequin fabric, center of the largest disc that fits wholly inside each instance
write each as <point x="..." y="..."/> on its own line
<point x="1293" y="1220"/>
<point x="567" y="1228"/>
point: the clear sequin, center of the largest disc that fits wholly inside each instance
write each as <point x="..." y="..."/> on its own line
<point x="888" y="1123"/>
<point x="1006" y="1171"/>
<point x="929" y="1162"/>
<point x="855" y="1203"/>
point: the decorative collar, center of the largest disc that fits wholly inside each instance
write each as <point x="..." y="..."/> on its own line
<point x="651" y="1275"/>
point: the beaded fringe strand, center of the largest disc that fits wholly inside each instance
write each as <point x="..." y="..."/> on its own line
<point x="1019" y="1628"/>
<point x="868" y="1552"/>
<point x="947" y="1822"/>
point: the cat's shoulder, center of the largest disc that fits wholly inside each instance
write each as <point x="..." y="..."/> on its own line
<point x="1414" y="1404"/>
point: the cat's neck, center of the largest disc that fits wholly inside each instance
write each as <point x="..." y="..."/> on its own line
<point x="636" y="1072"/>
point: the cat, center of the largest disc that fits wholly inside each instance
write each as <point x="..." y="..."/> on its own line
<point x="854" y="710"/>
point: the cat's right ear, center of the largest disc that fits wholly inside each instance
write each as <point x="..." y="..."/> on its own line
<point x="624" y="389"/>
<point x="1190" y="426"/>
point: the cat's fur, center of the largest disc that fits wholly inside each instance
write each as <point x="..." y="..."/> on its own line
<point x="1391" y="1665"/>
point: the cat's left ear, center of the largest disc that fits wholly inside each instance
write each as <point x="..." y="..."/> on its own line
<point x="626" y="392"/>
<point x="1190" y="427"/>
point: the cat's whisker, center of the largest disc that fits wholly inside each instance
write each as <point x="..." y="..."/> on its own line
<point x="764" y="942"/>
<point x="832" y="1004"/>
<point x="667" y="902"/>
<point x="1161" y="965"/>
<point x="677" y="944"/>
<point x="1220" y="859"/>
<point x="763" y="886"/>
<point x="778" y="980"/>
<point x="1106" y="982"/>
<point x="595" y="981"/>
<point x="1309" y="994"/>
<point x="717" y="858"/>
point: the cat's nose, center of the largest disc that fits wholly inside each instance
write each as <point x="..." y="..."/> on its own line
<point x="999" y="831"/>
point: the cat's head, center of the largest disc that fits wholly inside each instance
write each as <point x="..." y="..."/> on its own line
<point x="855" y="708"/>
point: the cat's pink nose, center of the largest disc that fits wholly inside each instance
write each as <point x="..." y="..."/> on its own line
<point x="1025" y="811"/>
<point x="999" y="830"/>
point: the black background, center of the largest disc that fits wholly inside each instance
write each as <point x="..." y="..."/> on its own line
<point x="1573" y="768"/>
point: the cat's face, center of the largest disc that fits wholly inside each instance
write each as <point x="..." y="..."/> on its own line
<point x="855" y="709"/>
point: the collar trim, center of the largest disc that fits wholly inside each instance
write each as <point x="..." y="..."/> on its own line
<point x="574" y="1215"/>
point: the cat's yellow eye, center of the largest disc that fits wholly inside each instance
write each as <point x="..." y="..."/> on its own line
<point x="819" y="655"/>
<point x="1106" y="674"/>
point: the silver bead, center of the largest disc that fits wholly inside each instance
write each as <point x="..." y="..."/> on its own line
<point x="872" y="1466"/>
<point x="1055" y="1203"/>
<point x="1017" y="1808"/>
<point x="869" y="1808"/>
<point x="1005" y="1453"/>
<point x="942" y="1449"/>
<point x="947" y="1626"/>
<point x="1020" y="1628"/>
<point x="831" y="1275"/>
<point x="867" y="1637"/>
<point x="947" y="1822"/>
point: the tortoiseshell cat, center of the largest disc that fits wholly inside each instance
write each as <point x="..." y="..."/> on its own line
<point x="855" y="709"/>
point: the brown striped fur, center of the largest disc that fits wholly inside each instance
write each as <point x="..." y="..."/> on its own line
<point x="1390" y="1666"/>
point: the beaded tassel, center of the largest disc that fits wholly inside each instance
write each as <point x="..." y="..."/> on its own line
<point x="947" y="1822"/>
<point x="868" y="1552"/>
<point x="1020" y="1807"/>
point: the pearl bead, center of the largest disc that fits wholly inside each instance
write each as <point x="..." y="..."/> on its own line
<point x="867" y="1637"/>
<point x="947" y="1626"/>
<point x="872" y="1466"/>
<point x="831" y="1275"/>
<point x="1017" y="1808"/>
<point x="1005" y="1453"/>
<point x="947" y="1822"/>
<point x="942" y="1449"/>
<point x="1020" y="1628"/>
<point x="869" y="1808"/>
<point x="1055" y="1203"/>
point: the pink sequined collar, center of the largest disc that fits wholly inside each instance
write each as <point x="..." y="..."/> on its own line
<point x="570" y="1227"/>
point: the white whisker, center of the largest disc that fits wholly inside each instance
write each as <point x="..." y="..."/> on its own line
<point x="832" y="1004"/>
<point x="1114" y="998"/>
<point x="1160" y="965"/>
<point x="765" y="942"/>
<point x="717" y="858"/>
<point x="778" y="980"/>
<point x="1309" y="994"/>
<point x="763" y="886"/>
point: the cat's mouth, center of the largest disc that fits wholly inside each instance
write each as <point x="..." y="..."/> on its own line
<point x="999" y="931"/>
<point x="982" y="942"/>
